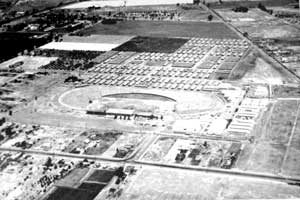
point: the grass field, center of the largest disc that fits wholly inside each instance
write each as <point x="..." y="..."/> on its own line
<point x="163" y="29"/>
<point x="150" y="44"/>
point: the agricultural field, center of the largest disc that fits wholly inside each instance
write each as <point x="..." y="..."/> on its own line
<point x="156" y="45"/>
<point x="163" y="29"/>
<point x="101" y="176"/>
<point x="74" y="178"/>
<point x="61" y="193"/>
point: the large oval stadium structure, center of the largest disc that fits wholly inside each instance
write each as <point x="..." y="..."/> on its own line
<point x="180" y="102"/>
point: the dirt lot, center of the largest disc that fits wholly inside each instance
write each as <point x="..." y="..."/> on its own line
<point x="148" y="44"/>
<point x="159" y="149"/>
<point x="163" y="29"/>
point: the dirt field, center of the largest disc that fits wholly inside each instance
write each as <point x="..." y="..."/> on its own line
<point x="164" y="29"/>
<point x="263" y="73"/>
<point x="180" y="184"/>
<point x="247" y="3"/>
<point x="110" y="39"/>
<point x="29" y="63"/>
<point x="273" y="29"/>
<point x="267" y="158"/>
<point x="281" y="122"/>
<point x="117" y="3"/>
<point x="252" y="15"/>
<point x="159" y="149"/>
<point x="286" y="91"/>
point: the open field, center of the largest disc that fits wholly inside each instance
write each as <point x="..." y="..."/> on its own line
<point x="118" y="3"/>
<point x="252" y="15"/>
<point x="281" y="122"/>
<point x="28" y="63"/>
<point x="110" y="39"/>
<point x="148" y="44"/>
<point x="291" y="167"/>
<point x="163" y="29"/>
<point x="286" y="91"/>
<point x="180" y="184"/>
<point x="263" y="72"/>
<point x="246" y="3"/>
<point x="267" y="158"/>
<point x="272" y="29"/>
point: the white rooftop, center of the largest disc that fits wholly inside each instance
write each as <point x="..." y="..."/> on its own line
<point x="79" y="46"/>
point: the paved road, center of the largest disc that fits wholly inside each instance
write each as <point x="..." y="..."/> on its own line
<point x="160" y="165"/>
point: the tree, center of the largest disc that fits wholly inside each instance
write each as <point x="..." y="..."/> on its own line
<point x="262" y="7"/>
<point x="210" y="17"/>
<point x="48" y="162"/>
<point x="245" y="34"/>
